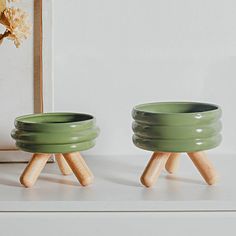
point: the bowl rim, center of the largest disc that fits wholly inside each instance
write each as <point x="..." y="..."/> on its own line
<point x="21" y="119"/>
<point x="214" y="106"/>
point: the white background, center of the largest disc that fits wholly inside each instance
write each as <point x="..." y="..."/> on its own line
<point x="111" y="55"/>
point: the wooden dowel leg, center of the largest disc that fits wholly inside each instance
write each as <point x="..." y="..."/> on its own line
<point x="154" y="168"/>
<point x="63" y="165"/>
<point x="172" y="164"/>
<point x="204" y="166"/>
<point x="79" y="168"/>
<point x="33" y="169"/>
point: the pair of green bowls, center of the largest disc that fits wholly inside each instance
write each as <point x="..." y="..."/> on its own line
<point x="163" y="126"/>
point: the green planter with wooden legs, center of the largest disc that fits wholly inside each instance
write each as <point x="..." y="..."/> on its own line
<point x="170" y="128"/>
<point x="62" y="134"/>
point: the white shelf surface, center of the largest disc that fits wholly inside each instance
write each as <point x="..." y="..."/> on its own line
<point x="117" y="188"/>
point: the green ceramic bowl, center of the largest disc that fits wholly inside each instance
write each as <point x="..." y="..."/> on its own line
<point x="176" y="126"/>
<point x="55" y="132"/>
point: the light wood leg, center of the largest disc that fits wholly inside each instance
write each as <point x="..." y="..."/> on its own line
<point x="172" y="164"/>
<point x="79" y="168"/>
<point x="154" y="168"/>
<point x="33" y="169"/>
<point x="204" y="166"/>
<point x="63" y="165"/>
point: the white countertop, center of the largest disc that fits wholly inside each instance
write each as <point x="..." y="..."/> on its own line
<point x="117" y="188"/>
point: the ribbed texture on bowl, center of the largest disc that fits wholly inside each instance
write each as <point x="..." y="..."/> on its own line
<point x="176" y="126"/>
<point x="55" y="132"/>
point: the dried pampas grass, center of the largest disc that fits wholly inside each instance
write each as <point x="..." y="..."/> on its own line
<point x="16" y="22"/>
<point x="17" y="25"/>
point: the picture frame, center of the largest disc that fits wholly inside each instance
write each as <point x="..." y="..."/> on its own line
<point x="28" y="80"/>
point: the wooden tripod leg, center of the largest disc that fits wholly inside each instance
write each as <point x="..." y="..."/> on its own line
<point x="204" y="166"/>
<point x="63" y="165"/>
<point x="79" y="168"/>
<point x="33" y="169"/>
<point x="172" y="164"/>
<point x="154" y="168"/>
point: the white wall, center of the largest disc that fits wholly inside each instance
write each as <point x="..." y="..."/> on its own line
<point x="111" y="55"/>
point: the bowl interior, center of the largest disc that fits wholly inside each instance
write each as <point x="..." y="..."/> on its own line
<point x="54" y="118"/>
<point x="176" y="107"/>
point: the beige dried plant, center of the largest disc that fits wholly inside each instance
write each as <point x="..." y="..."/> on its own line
<point x="17" y="25"/>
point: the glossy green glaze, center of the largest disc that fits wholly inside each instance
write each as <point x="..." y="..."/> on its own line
<point x="176" y="126"/>
<point x="55" y="132"/>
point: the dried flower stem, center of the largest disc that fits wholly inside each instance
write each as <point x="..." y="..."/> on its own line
<point x="5" y="35"/>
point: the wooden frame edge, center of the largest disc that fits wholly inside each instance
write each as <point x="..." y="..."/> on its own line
<point x="38" y="56"/>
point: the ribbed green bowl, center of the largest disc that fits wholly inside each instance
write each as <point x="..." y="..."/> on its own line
<point x="55" y="132"/>
<point x="176" y="126"/>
